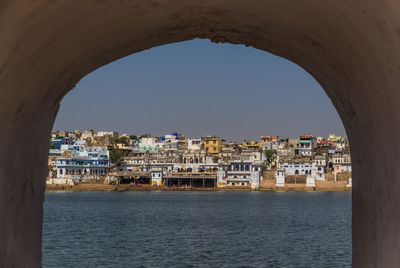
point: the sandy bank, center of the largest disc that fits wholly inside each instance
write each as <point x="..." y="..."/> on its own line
<point x="268" y="185"/>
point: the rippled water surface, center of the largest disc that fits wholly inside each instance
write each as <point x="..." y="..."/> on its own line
<point x="197" y="229"/>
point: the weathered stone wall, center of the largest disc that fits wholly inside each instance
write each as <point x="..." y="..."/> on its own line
<point x="350" y="47"/>
<point x="269" y="174"/>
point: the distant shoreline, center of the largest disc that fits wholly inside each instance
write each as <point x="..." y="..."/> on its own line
<point x="327" y="186"/>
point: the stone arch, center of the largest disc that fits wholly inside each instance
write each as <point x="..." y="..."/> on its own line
<point x="350" y="47"/>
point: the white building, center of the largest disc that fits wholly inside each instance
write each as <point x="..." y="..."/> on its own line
<point x="341" y="163"/>
<point x="274" y="146"/>
<point x="251" y="155"/>
<point x="320" y="164"/>
<point x="83" y="162"/>
<point x="240" y="174"/>
<point x="170" y="138"/>
<point x="296" y="167"/>
<point x="112" y="134"/>
<point x="156" y="176"/>
<point x="280" y="178"/>
<point x="194" y="144"/>
<point x="304" y="166"/>
<point x="148" y="145"/>
<point x="88" y="134"/>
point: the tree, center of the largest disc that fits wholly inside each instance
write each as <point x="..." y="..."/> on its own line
<point x="145" y="136"/>
<point x="123" y="140"/>
<point x="116" y="156"/>
<point x="133" y="137"/>
<point x="270" y="157"/>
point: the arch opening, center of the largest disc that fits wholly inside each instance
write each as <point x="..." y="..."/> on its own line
<point x="189" y="158"/>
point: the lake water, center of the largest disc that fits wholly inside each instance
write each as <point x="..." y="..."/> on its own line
<point x="197" y="229"/>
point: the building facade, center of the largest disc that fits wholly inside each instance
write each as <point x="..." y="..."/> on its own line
<point x="83" y="163"/>
<point x="212" y="145"/>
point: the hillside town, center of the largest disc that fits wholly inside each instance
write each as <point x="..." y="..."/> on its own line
<point x="175" y="161"/>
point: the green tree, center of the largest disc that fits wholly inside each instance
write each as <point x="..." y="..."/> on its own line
<point x="116" y="156"/>
<point x="270" y="157"/>
<point x="133" y="137"/>
<point x="145" y="136"/>
<point x="123" y="140"/>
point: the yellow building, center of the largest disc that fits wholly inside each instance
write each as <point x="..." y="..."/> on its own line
<point x="212" y="145"/>
<point x="334" y="138"/>
<point x="252" y="144"/>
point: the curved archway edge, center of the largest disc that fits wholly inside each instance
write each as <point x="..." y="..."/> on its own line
<point x="350" y="47"/>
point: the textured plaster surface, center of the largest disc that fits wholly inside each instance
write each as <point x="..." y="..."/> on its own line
<point x="352" y="48"/>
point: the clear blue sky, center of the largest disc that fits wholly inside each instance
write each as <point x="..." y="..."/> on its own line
<point x="199" y="88"/>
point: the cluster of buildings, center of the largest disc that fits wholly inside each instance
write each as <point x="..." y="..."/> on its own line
<point x="209" y="161"/>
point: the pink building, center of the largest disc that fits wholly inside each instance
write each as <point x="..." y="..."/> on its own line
<point x="269" y="139"/>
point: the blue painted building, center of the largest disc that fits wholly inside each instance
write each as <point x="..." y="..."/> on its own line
<point x="81" y="162"/>
<point x="307" y="145"/>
